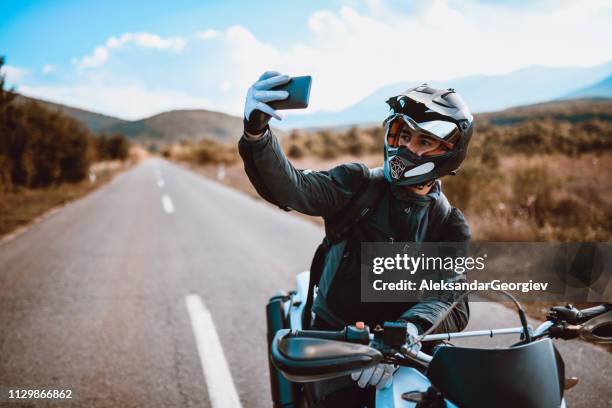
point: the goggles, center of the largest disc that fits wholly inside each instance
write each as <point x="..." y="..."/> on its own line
<point x="400" y="129"/>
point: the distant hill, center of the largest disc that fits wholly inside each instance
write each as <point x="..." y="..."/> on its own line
<point x="601" y="89"/>
<point x="571" y="110"/>
<point x="574" y="110"/>
<point x="96" y="122"/>
<point x="182" y="125"/>
<point x="482" y="93"/>
<point x="165" y="127"/>
<point x="179" y="125"/>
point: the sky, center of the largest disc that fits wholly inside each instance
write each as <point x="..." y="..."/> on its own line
<point x="138" y="58"/>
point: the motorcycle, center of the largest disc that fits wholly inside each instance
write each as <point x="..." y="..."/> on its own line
<point x="529" y="373"/>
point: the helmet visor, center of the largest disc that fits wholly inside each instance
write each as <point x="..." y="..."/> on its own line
<point x="428" y="138"/>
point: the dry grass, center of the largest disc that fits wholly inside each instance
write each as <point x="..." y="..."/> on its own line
<point x="20" y="207"/>
<point x="536" y="198"/>
<point x="544" y="198"/>
<point x="499" y="208"/>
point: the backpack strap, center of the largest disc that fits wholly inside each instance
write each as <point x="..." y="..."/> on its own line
<point x="337" y="228"/>
<point x="359" y="207"/>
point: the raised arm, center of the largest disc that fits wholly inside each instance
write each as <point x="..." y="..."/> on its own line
<point x="318" y="193"/>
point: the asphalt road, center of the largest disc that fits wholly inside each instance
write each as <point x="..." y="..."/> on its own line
<point x="92" y="299"/>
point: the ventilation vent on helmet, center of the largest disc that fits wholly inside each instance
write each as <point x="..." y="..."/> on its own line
<point x="426" y="89"/>
<point x="440" y="101"/>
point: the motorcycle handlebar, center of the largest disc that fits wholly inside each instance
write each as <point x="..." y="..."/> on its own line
<point x="572" y="315"/>
<point x="320" y="334"/>
<point x="586" y="314"/>
<point x="350" y="334"/>
<point x="361" y="334"/>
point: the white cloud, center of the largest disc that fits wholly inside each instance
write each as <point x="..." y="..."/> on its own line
<point x="207" y="34"/>
<point x="127" y="102"/>
<point x="349" y="53"/>
<point x="14" y="75"/>
<point x="101" y="53"/>
<point x="352" y="54"/>
<point x="147" y="40"/>
<point x="48" y="68"/>
<point x="225" y="86"/>
<point x="97" y="58"/>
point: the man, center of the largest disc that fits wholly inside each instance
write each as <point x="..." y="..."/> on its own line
<point x="427" y="136"/>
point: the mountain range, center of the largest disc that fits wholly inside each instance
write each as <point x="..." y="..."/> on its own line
<point x="482" y="93"/>
<point x="600" y="89"/>
<point x="527" y="86"/>
<point x="166" y="127"/>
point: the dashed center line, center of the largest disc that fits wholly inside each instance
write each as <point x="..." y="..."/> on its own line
<point x="221" y="389"/>
<point x="160" y="183"/>
<point x="167" y="204"/>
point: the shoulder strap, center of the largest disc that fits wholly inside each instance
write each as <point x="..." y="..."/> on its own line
<point x="360" y="205"/>
<point x="438" y="215"/>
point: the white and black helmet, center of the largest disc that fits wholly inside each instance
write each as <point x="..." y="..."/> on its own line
<point x="436" y="113"/>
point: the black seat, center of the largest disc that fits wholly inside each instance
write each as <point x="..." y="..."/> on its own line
<point x="525" y="376"/>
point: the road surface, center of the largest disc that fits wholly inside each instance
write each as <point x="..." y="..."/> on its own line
<point x="127" y="296"/>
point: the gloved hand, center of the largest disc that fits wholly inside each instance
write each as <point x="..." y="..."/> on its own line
<point x="381" y="375"/>
<point x="413" y="333"/>
<point x="257" y="112"/>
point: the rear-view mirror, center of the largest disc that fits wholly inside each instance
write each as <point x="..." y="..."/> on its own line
<point x="598" y="329"/>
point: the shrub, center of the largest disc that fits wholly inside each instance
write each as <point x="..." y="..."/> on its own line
<point x="39" y="147"/>
<point x="532" y="188"/>
<point x="295" y="151"/>
<point x="114" y="147"/>
<point x="213" y="152"/>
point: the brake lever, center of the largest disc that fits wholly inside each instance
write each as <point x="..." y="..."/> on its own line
<point x="419" y="357"/>
<point x="564" y="331"/>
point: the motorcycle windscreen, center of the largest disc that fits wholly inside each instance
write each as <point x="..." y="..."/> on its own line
<point x="530" y="375"/>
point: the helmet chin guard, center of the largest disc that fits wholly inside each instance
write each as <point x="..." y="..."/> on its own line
<point x="438" y="114"/>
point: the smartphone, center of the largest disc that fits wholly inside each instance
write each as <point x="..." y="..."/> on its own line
<point x="299" y="93"/>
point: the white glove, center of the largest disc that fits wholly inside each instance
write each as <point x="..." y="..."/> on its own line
<point x="381" y="376"/>
<point x="413" y="333"/>
<point x="258" y="96"/>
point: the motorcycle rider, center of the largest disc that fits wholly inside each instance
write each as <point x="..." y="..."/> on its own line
<point x="427" y="135"/>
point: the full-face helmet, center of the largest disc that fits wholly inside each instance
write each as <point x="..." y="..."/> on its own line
<point x="423" y="111"/>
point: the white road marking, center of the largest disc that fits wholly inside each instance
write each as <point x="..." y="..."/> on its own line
<point x="167" y="204"/>
<point x="160" y="183"/>
<point x="221" y="388"/>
